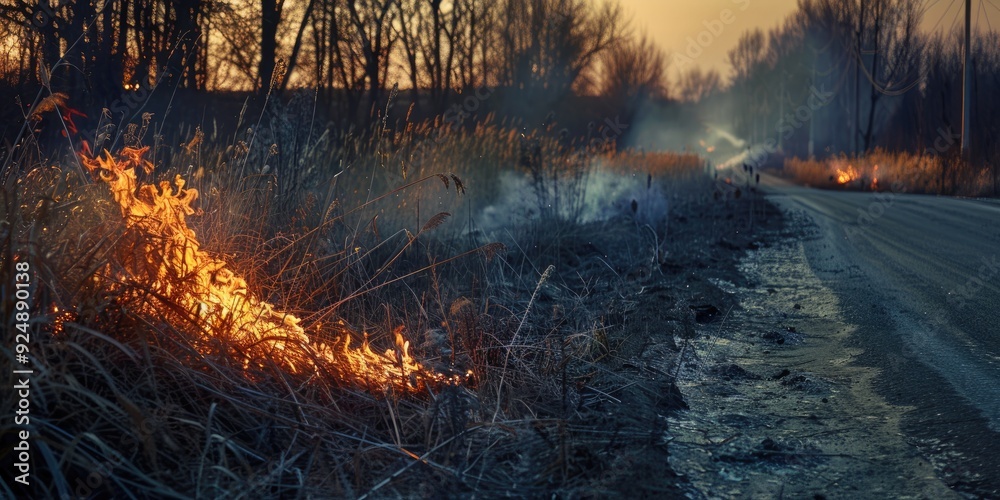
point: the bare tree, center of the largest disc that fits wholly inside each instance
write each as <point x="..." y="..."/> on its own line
<point x="695" y="84"/>
<point x="236" y="49"/>
<point x="635" y="70"/>
<point x="747" y="60"/>
<point x="473" y="40"/>
<point x="890" y="38"/>
<point x="748" y="55"/>
<point x="293" y="59"/>
<point x="431" y="37"/>
<point x="545" y="45"/>
<point x="339" y="60"/>
<point x="374" y="38"/>
<point x="108" y="45"/>
<point x="270" y="19"/>
<point x="410" y="20"/>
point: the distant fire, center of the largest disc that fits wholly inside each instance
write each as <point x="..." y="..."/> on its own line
<point x="174" y="268"/>
<point x="848" y="175"/>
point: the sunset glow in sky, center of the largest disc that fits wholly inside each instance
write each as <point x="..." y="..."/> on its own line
<point x="677" y="24"/>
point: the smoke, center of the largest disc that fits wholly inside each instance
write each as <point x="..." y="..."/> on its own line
<point x="596" y="196"/>
<point x="718" y="134"/>
<point x="611" y="195"/>
<point x="664" y="129"/>
<point x="699" y="128"/>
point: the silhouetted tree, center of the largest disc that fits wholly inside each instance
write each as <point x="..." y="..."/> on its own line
<point x="634" y="71"/>
<point x="695" y="84"/>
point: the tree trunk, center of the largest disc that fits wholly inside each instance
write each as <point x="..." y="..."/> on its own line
<point x="270" y="17"/>
<point x="298" y="43"/>
<point x="875" y="92"/>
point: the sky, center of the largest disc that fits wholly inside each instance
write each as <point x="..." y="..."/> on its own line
<point x="677" y="25"/>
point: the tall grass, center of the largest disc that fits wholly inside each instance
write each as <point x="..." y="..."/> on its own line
<point x="884" y="170"/>
<point x="344" y="229"/>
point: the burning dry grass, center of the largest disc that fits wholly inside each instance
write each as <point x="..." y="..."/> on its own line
<point x="162" y="260"/>
<point x="205" y="346"/>
<point x="880" y="170"/>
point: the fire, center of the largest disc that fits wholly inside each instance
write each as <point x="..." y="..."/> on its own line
<point x="845" y="176"/>
<point x="59" y="319"/>
<point x="57" y="102"/>
<point x="172" y="265"/>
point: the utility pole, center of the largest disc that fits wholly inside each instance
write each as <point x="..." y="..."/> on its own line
<point x="812" y="116"/>
<point x="858" y="61"/>
<point x="967" y="82"/>
<point x="754" y="119"/>
<point x="781" y="112"/>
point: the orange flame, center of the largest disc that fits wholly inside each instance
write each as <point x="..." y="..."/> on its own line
<point x="59" y="319"/>
<point x="57" y="102"/>
<point x="845" y="176"/>
<point x="174" y="267"/>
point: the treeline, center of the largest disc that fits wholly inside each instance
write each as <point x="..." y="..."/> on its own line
<point x="836" y="76"/>
<point x="538" y="52"/>
<point x="851" y="76"/>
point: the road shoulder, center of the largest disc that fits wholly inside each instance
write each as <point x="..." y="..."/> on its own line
<point x="778" y="408"/>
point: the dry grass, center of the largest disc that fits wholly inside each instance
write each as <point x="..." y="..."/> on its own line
<point x="898" y="171"/>
<point x="151" y="404"/>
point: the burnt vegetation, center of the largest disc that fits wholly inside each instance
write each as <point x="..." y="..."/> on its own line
<point x="500" y="236"/>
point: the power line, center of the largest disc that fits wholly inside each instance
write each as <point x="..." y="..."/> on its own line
<point x="980" y="14"/>
<point x="955" y="22"/>
<point x="928" y="7"/>
<point x="991" y="4"/>
<point x="944" y="14"/>
<point x="884" y="89"/>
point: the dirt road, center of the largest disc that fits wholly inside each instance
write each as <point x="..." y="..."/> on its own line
<point x="917" y="277"/>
